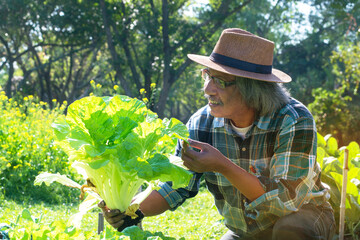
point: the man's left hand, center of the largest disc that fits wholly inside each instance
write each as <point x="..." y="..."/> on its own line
<point x="209" y="159"/>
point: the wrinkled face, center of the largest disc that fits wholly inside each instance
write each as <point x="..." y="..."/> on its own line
<point x="224" y="102"/>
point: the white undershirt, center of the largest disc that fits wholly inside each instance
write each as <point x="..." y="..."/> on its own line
<point x="240" y="131"/>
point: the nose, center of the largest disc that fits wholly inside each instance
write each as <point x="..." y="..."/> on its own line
<point x="209" y="87"/>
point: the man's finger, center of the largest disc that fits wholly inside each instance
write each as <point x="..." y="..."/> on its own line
<point x="188" y="165"/>
<point x="197" y="144"/>
<point x="186" y="158"/>
<point x="102" y="206"/>
<point x="188" y="154"/>
<point x="116" y="218"/>
<point x="117" y="224"/>
<point x="112" y="213"/>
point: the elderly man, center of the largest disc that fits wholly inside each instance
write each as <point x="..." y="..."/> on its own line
<point x="255" y="147"/>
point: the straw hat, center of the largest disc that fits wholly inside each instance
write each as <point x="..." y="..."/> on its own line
<point x="243" y="54"/>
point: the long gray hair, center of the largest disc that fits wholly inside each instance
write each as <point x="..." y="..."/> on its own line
<point x="264" y="97"/>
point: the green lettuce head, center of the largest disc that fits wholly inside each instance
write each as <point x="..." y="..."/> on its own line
<point x="118" y="145"/>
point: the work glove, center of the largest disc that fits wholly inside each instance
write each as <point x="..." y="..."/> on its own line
<point x="119" y="220"/>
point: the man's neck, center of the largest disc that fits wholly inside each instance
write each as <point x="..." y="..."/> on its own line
<point x="245" y="119"/>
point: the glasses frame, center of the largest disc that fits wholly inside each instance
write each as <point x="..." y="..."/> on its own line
<point x="206" y="76"/>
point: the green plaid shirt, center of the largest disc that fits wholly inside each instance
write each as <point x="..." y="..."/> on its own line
<point x="279" y="148"/>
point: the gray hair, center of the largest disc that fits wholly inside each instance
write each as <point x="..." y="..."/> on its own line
<point x="264" y="97"/>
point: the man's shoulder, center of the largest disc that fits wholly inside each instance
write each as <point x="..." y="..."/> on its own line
<point x="289" y="114"/>
<point x="295" y="110"/>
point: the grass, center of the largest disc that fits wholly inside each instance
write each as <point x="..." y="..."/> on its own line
<point x="197" y="219"/>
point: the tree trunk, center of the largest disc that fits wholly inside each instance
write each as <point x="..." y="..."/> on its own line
<point x="47" y="78"/>
<point x="10" y="77"/>
<point x="11" y="68"/>
<point x="114" y="55"/>
<point x="167" y="59"/>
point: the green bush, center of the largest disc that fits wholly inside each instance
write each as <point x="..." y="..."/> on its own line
<point x="331" y="159"/>
<point x="26" y="149"/>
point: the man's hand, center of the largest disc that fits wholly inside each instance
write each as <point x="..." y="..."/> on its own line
<point x="120" y="220"/>
<point x="209" y="159"/>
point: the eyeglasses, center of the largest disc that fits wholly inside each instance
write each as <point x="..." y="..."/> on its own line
<point x="206" y="75"/>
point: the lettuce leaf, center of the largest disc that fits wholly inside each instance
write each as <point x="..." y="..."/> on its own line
<point x="119" y="144"/>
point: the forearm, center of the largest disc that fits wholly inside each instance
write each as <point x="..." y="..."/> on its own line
<point x="246" y="183"/>
<point x="154" y="204"/>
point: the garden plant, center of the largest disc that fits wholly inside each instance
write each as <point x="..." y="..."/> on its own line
<point x="45" y="212"/>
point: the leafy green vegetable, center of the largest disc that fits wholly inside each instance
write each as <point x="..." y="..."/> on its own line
<point x="136" y="233"/>
<point x="118" y="144"/>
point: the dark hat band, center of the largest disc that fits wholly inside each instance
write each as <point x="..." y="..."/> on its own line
<point x="239" y="64"/>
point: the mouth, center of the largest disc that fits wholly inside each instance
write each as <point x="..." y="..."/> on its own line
<point x="213" y="102"/>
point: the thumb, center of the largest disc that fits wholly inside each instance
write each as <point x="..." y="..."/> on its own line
<point x="197" y="144"/>
<point x="102" y="205"/>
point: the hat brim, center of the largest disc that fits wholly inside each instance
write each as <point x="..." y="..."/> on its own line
<point x="276" y="75"/>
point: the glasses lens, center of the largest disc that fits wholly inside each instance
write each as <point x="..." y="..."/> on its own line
<point x="219" y="82"/>
<point x="205" y="74"/>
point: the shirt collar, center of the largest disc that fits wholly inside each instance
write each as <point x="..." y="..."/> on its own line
<point x="263" y="122"/>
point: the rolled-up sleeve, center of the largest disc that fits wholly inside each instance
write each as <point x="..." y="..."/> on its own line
<point x="293" y="170"/>
<point x="176" y="197"/>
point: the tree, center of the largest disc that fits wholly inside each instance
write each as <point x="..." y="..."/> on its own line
<point x="53" y="45"/>
<point x="337" y="111"/>
<point x="271" y="20"/>
<point x="149" y="40"/>
<point x="308" y="61"/>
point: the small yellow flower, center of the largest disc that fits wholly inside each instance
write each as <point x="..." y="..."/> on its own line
<point x="98" y="85"/>
<point x="92" y="82"/>
<point x="15" y="167"/>
<point x="30" y="97"/>
<point x="91" y="94"/>
<point x="145" y="100"/>
<point x="116" y="87"/>
<point x="8" y="165"/>
<point x="142" y="91"/>
<point x="65" y="102"/>
<point x="26" y="99"/>
<point x="54" y="100"/>
<point x="153" y="85"/>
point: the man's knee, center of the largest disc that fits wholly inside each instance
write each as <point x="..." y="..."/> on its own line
<point x="310" y="222"/>
<point x="286" y="228"/>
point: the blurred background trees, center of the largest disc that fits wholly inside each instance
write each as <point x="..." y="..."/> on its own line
<point x="53" y="49"/>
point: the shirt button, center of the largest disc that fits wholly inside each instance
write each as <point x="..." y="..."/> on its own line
<point x="243" y="149"/>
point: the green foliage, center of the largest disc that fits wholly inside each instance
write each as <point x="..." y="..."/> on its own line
<point x="346" y="66"/>
<point x="28" y="226"/>
<point x="331" y="112"/>
<point x="331" y="159"/>
<point x="196" y="219"/>
<point x="337" y="110"/>
<point x="26" y="149"/>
